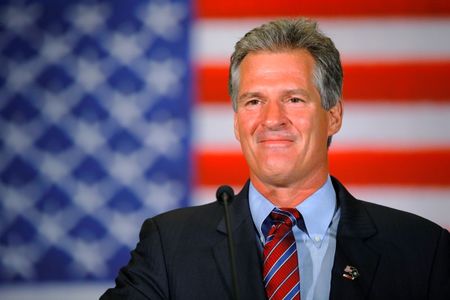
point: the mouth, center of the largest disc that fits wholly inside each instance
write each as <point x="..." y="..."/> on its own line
<point x="275" y="141"/>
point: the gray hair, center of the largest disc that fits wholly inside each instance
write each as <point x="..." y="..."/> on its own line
<point x="292" y="34"/>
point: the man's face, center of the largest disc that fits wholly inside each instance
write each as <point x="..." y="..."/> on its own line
<point x="280" y="122"/>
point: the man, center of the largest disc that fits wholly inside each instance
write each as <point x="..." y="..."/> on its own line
<point x="297" y="232"/>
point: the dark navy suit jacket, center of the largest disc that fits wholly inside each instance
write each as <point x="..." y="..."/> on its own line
<point x="183" y="254"/>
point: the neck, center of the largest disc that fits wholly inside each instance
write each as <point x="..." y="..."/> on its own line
<point x="290" y="195"/>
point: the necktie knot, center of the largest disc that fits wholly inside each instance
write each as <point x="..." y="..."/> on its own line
<point x="287" y="216"/>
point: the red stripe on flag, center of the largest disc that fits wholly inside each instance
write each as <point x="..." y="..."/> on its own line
<point x="215" y="168"/>
<point x="404" y="81"/>
<point x="401" y="82"/>
<point x="322" y="8"/>
<point x="390" y="167"/>
<point x="383" y="167"/>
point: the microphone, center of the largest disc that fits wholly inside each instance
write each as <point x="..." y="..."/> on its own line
<point x="225" y="195"/>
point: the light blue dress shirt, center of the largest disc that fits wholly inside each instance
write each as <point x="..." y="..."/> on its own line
<point x="316" y="246"/>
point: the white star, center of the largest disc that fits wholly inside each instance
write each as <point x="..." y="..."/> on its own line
<point x="54" y="48"/>
<point x="125" y="168"/>
<point x="20" y="76"/>
<point x="88" y="137"/>
<point x="54" y="167"/>
<point x="164" y="19"/>
<point x="123" y="227"/>
<point x="17" y="139"/>
<point x="165" y="136"/>
<point x="162" y="196"/>
<point x="125" y="47"/>
<point x="89" y="197"/>
<point x="89" y="17"/>
<point x="19" y="260"/>
<point x="86" y="256"/>
<point x="15" y="201"/>
<point x="124" y="109"/>
<point x="18" y="17"/>
<point x="50" y="227"/>
<point x="164" y="77"/>
<point x="54" y="108"/>
<point x="89" y="75"/>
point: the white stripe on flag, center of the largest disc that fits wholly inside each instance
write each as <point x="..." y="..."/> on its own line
<point x="365" y="126"/>
<point x="356" y="39"/>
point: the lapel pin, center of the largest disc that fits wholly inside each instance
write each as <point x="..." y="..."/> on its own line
<point x="350" y="273"/>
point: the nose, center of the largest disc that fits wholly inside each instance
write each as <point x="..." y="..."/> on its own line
<point x="274" y="115"/>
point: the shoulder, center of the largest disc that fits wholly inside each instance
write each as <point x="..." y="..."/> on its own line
<point x="182" y="219"/>
<point x="191" y="216"/>
<point x="414" y="251"/>
<point x="396" y="229"/>
<point x="202" y="219"/>
<point x="397" y="221"/>
<point x="388" y="222"/>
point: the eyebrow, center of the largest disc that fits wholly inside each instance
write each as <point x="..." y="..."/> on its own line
<point x="300" y="91"/>
<point x="249" y="95"/>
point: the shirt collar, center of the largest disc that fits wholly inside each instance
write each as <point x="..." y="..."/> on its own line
<point x="317" y="210"/>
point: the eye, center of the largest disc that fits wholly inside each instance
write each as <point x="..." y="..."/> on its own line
<point x="295" y="100"/>
<point x="252" y="102"/>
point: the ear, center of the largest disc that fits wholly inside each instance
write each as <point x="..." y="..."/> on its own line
<point x="236" y="130"/>
<point x="335" y="118"/>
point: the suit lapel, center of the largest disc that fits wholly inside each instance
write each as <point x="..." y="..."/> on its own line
<point x="352" y="248"/>
<point x="248" y="257"/>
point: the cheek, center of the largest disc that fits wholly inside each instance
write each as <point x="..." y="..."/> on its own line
<point x="311" y="125"/>
<point x="303" y="122"/>
<point x="321" y="127"/>
<point x="244" y="126"/>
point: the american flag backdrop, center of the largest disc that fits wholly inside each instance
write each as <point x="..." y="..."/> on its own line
<point x="95" y="136"/>
<point x="114" y="111"/>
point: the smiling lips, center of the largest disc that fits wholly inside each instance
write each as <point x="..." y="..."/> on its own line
<point x="275" y="139"/>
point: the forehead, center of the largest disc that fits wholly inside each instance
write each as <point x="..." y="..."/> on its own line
<point x="289" y="64"/>
<point x="300" y="54"/>
<point x="277" y="74"/>
<point x="288" y="60"/>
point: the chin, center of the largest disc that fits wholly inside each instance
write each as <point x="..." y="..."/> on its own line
<point x="279" y="180"/>
<point x="276" y="172"/>
<point x="281" y="162"/>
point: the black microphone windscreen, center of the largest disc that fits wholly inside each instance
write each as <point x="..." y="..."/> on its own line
<point x="225" y="192"/>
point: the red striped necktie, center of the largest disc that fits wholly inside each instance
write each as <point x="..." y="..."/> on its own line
<point x="281" y="273"/>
